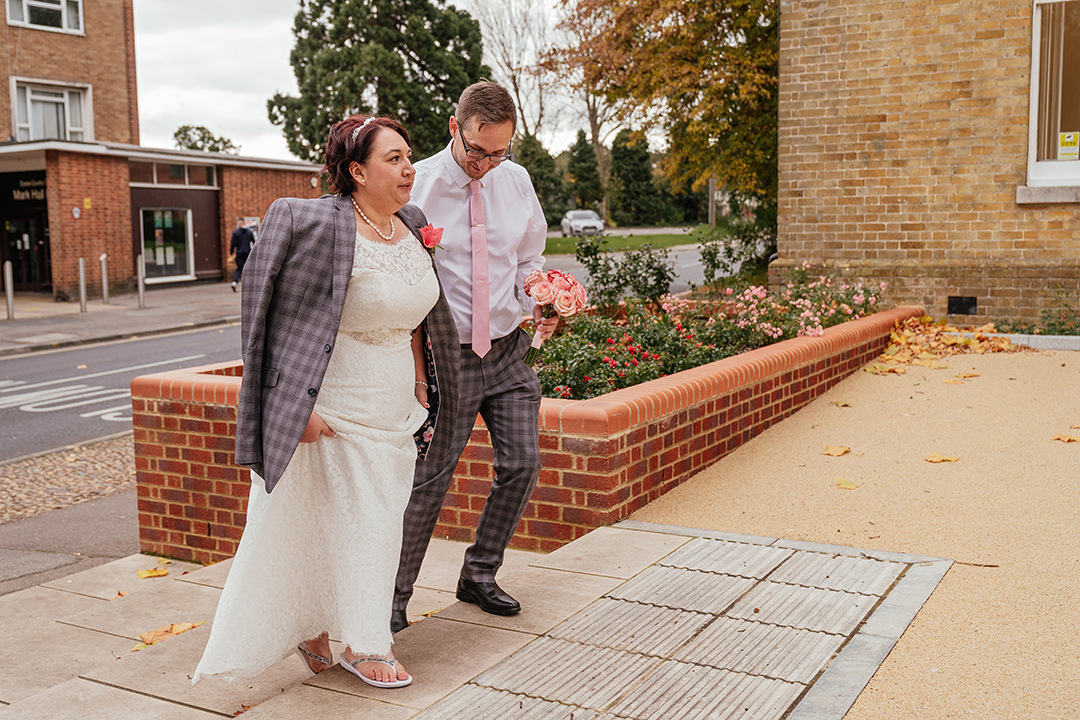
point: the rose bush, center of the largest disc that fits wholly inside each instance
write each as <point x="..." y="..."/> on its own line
<point x="594" y="354"/>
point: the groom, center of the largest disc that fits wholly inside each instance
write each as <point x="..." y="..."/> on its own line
<point x="494" y="234"/>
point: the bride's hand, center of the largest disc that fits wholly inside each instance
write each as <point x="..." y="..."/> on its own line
<point x="316" y="426"/>
<point x="421" y="393"/>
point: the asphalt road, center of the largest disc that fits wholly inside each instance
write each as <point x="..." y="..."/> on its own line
<point x="50" y="400"/>
<point x="685" y="258"/>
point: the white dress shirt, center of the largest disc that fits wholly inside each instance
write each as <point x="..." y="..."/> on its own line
<point x="516" y="236"/>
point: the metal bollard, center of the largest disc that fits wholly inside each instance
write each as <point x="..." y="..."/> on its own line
<point x="9" y="289"/>
<point x="82" y="285"/>
<point x="141" y="274"/>
<point x="104" y="278"/>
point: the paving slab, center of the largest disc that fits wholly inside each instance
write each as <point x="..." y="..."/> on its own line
<point x="147" y="608"/>
<point x="164" y="671"/>
<point x="442" y="564"/>
<point x="440" y="654"/>
<point x="80" y="699"/>
<point x="611" y="552"/>
<point x="208" y="575"/>
<point x="307" y="701"/>
<point x="481" y="703"/>
<point x="105" y="581"/>
<point x="547" y="598"/>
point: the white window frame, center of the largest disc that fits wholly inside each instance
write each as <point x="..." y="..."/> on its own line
<point x="29" y="84"/>
<point x="187" y="176"/>
<point x="1045" y="173"/>
<point x="190" y="244"/>
<point x="65" y="16"/>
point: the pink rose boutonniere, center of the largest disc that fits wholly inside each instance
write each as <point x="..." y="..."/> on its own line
<point x="557" y="294"/>
<point x="431" y="236"/>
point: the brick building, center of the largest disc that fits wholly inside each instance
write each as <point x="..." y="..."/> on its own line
<point x="932" y="145"/>
<point x="74" y="181"/>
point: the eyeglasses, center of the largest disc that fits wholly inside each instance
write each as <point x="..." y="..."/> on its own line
<point x="475" y="154"/>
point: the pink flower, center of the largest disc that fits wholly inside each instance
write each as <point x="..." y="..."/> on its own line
<point x="431" y="236"/>
<point x="562" y="282"/>
<point x="581" y="299"/>
<point x="565" y="305"/>
<point x="533" y="278"/>
<point x="543" y="292"/>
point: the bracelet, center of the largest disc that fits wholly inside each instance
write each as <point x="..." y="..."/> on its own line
<point x="422" y="382"/>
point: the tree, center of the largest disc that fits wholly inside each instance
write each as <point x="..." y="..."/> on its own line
<point x="532" y="156"/>
<point x="708" y="70"/>
<point x="634" y="197"/>
<point x="196" y="137"/>
<point x="408" y="59"/>
<point x="515" y="32"/>
<point x="584" y="173"/>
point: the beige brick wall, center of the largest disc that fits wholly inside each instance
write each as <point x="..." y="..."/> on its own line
<point x="903" y="138"/>
<point x="104" y="58"/>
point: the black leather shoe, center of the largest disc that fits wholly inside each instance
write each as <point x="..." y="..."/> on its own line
<point x="489" y="596"/>
<point x="398" y="621"/>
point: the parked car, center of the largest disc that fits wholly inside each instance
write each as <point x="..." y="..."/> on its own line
<point x="582" y="222"/>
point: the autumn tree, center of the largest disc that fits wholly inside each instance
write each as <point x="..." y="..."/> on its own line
<point x="706" y="70"/>
<point x="408" y="59"/>
<point x="197" y="137"/>
<point x="547" y="183"/>
<point x="583" y="173"/>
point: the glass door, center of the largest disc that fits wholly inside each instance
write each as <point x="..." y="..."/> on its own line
<point x="27" y="248"/>
<point x="167" y="244"/>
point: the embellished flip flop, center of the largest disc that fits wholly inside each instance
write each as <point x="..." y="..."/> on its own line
<point x="351" y="667"/>
<point x="304" y="654"/>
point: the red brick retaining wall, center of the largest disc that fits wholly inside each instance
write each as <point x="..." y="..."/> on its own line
<point x="603" y="458"/>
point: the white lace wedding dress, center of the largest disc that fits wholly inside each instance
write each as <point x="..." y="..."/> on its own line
<point x="320" y="553"/>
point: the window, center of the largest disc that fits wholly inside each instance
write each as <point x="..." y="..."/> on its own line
<point x="47" y="112"/>
<point x="167" y="244"/>
<point x="1054" y="142"/>
<point x="162" y="173"/>
<point x="56" y="15"/>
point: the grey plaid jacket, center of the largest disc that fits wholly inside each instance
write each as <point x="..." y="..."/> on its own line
<point x="293" y="295"/>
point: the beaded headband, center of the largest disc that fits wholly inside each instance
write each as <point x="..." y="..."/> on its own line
<point x="360" y="127"/>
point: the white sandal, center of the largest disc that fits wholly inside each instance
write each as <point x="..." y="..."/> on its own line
<point x="351" y="667"/>
<point x="304" y="654"/>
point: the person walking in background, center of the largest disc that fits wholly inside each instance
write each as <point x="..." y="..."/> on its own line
<point x="494" y="235"/>
<point x="341" y="309"/>
<point x="240" y="247"/>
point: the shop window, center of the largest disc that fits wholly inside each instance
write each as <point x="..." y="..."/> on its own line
<point x="163" y="173"/>
<point x="167" y="244"/>
<point x="1054" y="144"/>
<point x="50" y="112"/>
<point x="55" y="15"/>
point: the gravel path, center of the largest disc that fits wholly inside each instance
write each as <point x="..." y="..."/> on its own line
<point x="66" y="477"/>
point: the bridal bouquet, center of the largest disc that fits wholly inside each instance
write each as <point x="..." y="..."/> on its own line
<point x="557" y="294"/>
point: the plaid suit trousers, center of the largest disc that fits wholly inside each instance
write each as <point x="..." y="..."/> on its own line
<point x="505" y="392"/>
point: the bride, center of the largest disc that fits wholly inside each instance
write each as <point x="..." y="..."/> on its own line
<point x="349" y="350"/>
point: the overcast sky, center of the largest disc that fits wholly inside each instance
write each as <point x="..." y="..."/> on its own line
<point x="215" y="63"/>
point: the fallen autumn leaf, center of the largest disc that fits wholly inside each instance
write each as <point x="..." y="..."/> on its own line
<point x="1066" y="438"/>
<point x="936" y="457"/>
<point x="844" y="484"/>
<point x="153" y="573"/>
<point x="836" y="450"/>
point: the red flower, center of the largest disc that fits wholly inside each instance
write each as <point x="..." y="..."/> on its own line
<point x="431" y="236"/>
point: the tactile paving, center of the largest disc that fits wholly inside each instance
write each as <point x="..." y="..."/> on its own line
<point x="759" y="649"/>
<point x="795" y="606"/>
<point x="470" y="702"/>
<point x="839" y="572"/>
<point x="634" y="627"/>
<point x="684" y="589"/>
<point x="731" y="558"/>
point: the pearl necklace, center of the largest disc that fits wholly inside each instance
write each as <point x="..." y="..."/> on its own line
<point x="368" y="221"/>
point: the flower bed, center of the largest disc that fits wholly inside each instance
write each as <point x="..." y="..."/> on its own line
<point x="603" y="458"/>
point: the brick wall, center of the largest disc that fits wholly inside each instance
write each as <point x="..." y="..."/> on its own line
<point x="71" y="179"/>
<point x="104" y="58"/>
<point x="603" y="458"/>
<point x="903" y="139"/>
<point x="249" y="192"/>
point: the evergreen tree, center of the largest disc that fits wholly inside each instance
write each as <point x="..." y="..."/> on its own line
<point x="635" y="199"/>
<point x="532" y="156"/>
<point x="407" y="59"/>
<point x="584" y="173"/>
<point x="197" y="137"/>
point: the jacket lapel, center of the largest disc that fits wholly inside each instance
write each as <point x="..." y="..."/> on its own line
<point x="344" y="253"/>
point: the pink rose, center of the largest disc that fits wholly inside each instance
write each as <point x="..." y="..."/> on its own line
<point x="565" y="305"/>
<point x="562" y="282"/>
<point x="543" y="292"/>
<point x="431" y="236"/>
<point x="581" y="299"/>
<point x="532" y="279"/>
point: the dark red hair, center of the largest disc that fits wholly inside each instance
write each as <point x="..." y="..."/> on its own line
<point x="350" y="141"/>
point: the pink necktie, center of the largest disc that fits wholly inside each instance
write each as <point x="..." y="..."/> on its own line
<point x="481" y="300"/>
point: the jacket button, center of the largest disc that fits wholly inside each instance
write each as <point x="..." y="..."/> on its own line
<point x="327" y="348"/>
<point x="312" y="392"/>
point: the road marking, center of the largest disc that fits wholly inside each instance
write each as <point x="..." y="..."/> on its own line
<point x="114" y="413"/>
<point x="97" y="396"/>
<point x="19" y="385"/>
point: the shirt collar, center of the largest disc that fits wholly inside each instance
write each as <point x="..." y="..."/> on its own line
<point x="459" y="176"/>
